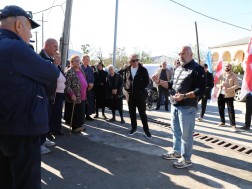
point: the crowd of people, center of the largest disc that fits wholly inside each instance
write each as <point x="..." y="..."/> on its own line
<point x="34" y="88"/>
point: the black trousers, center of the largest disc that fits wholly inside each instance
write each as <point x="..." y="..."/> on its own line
<point x="139" y="102"/>
<point x="56" y="116"/>
<point x="163" y="91"/>
<point x="248" y="110"/>
<point x="230" y="105"/>
<point x="20" y="162"/>
<point x="203" y="106"/>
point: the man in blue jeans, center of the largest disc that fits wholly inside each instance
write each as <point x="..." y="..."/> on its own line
<point x="186" y="86"/>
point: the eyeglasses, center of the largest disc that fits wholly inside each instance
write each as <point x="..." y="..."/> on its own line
<point x="133" y="61"/>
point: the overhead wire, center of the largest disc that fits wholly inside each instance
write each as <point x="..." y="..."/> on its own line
<point x="218" y="20"/>
<point x="49" y="8"/>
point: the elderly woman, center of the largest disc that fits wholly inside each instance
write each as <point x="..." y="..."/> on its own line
<point x="59" y="99"/>
<point x="75" y="95"/>
<point x="100" y="89"/>
<point x="115" y="93"/>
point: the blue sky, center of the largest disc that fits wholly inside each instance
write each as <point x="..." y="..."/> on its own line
<point x="158" y="27"/>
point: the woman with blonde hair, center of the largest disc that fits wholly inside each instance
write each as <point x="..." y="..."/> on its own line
<point x="75" y="95"/>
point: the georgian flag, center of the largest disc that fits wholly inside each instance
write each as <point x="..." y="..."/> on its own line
<point x="247" y="79"/>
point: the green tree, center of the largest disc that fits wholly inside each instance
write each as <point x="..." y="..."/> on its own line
<point x="202" y="53"/>
<point x="145" y="57"/>
<point x="237" y="69"/>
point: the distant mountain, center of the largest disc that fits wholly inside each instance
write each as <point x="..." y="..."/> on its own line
<point x="71" y="52"/>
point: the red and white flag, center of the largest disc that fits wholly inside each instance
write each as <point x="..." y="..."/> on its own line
<point x="247" y="79"/>
<point x="218" y="72"/>
<point x="250" y="46"/>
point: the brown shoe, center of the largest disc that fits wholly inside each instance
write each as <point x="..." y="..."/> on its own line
<point x="221" y="124"/>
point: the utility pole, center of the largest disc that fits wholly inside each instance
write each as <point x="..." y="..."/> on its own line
<point x="64" y="41"/>
<point x="36" y="35"/>
<point x="115" y="33"/>
<point x="42" y="27"/>
<point x="197" y="42"/>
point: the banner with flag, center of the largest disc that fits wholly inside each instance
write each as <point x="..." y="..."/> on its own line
<point x="247" y="79"/>
<point x="217" y="74"/>
<point x="209" y="61"/>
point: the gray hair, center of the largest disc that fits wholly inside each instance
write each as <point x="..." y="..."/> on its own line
<point x="111" y="66"/>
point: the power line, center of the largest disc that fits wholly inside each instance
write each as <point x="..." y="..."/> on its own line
<point x="209" y="16"/>
<point x="49" y="8"/>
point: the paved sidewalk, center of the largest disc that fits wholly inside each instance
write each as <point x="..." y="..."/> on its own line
<point x="105" y="157"/>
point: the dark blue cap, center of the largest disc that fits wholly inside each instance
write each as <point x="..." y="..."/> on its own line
<point x="13" y="10"/>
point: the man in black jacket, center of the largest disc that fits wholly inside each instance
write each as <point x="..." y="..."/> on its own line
<point x="136" y="79"/>
<point x="207" y="95"/>
<point x="186" y="86"/>
<point x="48" y="52"/>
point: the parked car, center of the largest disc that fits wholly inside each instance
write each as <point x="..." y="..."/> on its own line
<point x="152" y="68"/>
<point x="238" y="92"/>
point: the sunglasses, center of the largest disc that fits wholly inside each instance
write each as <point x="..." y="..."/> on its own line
<point x="136" y="60"/>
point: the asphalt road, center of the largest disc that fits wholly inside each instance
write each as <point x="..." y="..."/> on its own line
<point x="105" y="157"/>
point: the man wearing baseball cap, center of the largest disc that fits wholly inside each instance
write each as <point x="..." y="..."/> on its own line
<point x="24" y="77"/>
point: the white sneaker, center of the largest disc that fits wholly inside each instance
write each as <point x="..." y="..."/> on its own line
<point x="44" y="149"/>
<point x="234" y="128"/>
<point x="200" y="119"/>
<point x="49" y="143"/>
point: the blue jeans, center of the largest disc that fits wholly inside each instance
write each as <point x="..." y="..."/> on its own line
<point x="182" y="125"/>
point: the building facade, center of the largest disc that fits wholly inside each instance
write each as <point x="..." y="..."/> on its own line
<point x="233" y="52"/>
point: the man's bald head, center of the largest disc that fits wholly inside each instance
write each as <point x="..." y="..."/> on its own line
<point x="51" y="47"/>
<point x="185" y="55"/>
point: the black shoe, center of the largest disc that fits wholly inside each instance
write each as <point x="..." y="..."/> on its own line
<point x="122" y="121"/>
<point x="148" y="135"/>
<point x="111" y="120"/>
<point x="89" y="118"/>
<point x="132" y="132"/>
<point x="166" y="109"/>
<point x="104" y="117"/>
<point x="245" y="128"/>
<point x="157" y="108"/>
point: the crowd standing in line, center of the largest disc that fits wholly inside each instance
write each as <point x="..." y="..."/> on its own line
<point x="100" y="89"/>
<point x="136" y="79"/>
<point x="115" y="93"/>
<point x="75" y="95"/>
<point x="227" y="84"/>
<point x="186" y="86"/>
<point x="24" y="78"/>
<point x="207" y="95"/>
<point x="164" y="74"/>
<point x="89" y="73"/>
<point x="48" y="52"/>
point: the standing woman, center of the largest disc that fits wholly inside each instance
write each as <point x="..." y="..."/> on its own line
<point x="100" y="77"/>
<point x="76" y="86"/>
<point x="59" y="98"/>
<point x="115" y="93"/>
